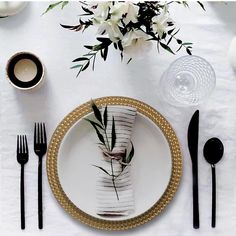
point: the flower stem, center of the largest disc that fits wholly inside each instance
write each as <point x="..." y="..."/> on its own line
<point x="112" y="170"/>
<point x="113" y="180"/>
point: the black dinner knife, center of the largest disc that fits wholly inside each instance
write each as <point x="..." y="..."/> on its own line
<point x="193" y="131"/>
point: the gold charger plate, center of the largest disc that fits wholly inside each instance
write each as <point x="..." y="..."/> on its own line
<point x="70" y="207"/>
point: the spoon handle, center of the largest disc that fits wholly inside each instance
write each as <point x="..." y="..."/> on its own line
<point x="213" y="213"/>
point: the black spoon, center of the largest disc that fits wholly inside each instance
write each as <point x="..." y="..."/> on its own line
<point x="213" y="152"/>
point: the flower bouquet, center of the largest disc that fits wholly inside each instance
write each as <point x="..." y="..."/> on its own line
<point x="131" y="27"/>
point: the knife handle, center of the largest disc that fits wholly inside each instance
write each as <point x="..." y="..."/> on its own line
<point x="196" y="223"/>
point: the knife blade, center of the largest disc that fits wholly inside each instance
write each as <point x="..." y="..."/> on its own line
<point x="193" y="131"/>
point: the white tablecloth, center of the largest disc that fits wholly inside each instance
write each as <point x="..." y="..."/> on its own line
<point x="210" y="31"/>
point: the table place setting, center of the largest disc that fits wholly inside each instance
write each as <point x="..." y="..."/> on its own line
<point x="117" y="118"/>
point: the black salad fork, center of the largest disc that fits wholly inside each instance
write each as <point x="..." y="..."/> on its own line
<point x="22" y="155"/>
<point x="40" y="148"/>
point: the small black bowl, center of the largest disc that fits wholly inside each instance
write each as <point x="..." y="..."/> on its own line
<point x="10" y="70"/>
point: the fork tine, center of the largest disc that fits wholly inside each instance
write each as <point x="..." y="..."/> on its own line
<point x="38" y="134"/>
<point x="41" y="133"/>
<point x="26" y="145"/>
<point x="44" y="134"/>
<point x="18" y="144"/>
<point x="35" y="134"/>
<point x="23" y="144"/>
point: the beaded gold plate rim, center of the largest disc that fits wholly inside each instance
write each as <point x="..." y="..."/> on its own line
<point x="92" y="221"/>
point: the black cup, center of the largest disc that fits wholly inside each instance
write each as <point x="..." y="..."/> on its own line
<point x="16" y="82"/>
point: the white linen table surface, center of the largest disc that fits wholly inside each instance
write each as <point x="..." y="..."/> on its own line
<point x="210" y="31"/>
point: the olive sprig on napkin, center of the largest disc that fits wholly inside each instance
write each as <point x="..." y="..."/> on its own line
<point x="100" y="126"/>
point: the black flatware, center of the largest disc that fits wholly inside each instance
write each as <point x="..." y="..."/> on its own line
<point x="193" y="131"/>
<point x="213" y="151"/>
<point x="40" y="148"/>
<point x="22" y="155"/>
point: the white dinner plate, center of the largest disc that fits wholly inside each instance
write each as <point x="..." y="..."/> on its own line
<point x="153" y="170"/>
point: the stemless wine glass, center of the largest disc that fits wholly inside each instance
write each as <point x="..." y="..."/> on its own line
<point x="188" y="81"/>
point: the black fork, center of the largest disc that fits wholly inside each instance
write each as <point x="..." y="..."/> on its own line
<point x="40" y="148"/>
<point x="22" y="155"/>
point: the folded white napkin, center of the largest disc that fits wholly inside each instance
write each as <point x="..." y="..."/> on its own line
<point x="107" y="202"/>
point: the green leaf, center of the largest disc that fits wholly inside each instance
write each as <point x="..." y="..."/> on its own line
<point x="179" y="41"/>
<point x="89" y="47"/>
<point x="179" y="48"/>
<point x="64" y="3"/>
<point x="104" y="40"/>
<point x="81" y="59"/>
<point x="129" y="60"/>
<point x="185" y="3"/>
<point x="100" y="137"/>
<point x="102" y="54"/>
<point x="170" y="31"/>
<point x="176" y="32"/>
<point x="86" y="65"/>
<point x="185" y="44"/>
<point x="169" y="23"/>
<point x="100" y="46"/>
<point x="166" y="47"/>
<point x="163" y="35"/>
<point x="105" y="53"/>
<point x="120" y="46"/>
<point x="87" y="11"/>
<point x="201" y="5"/>
<point x="124" y="160"/>
<point x="158" y="47"/>
<point x="71" y="27"/>
<point x="94" y="58"/>
<point x="169" y="40"/>
<point x="97" y="47"/>
<point x="79" y="71"/>
<point x="93" y="123"/>
<point x="52" y="6"/>
<point x="76" y="66"/>
<point x="89" y="54"/>
<point x="105" y="117"/>
<point x="188" y="51"/>
<point x="121" y="56"/>
<point x="113" y="134"/>
<point x="131" y="154"/>
<point x="96" y="111"/>
<point x="99" y="167"/>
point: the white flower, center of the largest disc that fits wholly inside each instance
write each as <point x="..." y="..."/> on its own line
<point x="112" y="29"/>
<point x="126" y="10"/>
<point x="135" y="43"/>
<point x="117" y="11"/>
<point x="100" y="10"/>
<point x="160" y="22"/>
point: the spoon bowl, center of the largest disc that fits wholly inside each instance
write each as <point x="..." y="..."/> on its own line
<point x="213" y="151"/>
